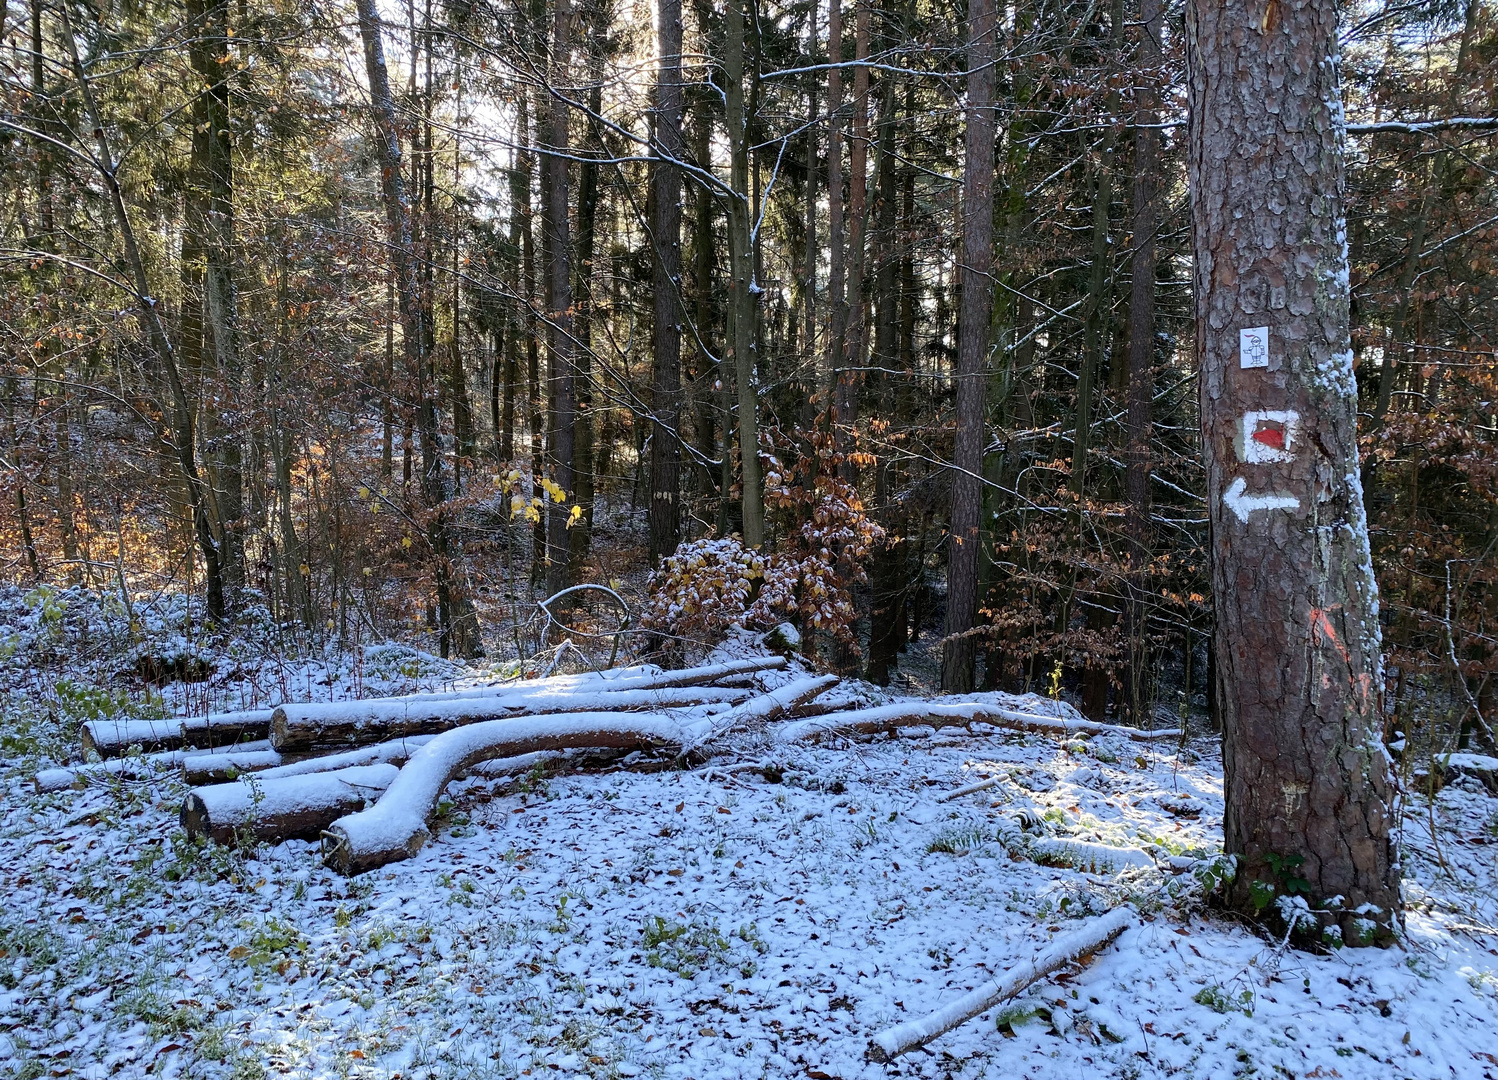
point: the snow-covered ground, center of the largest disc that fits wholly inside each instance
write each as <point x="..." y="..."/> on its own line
<point x="762" y="915"/>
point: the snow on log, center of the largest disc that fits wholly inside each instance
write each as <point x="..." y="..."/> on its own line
<point x="1063" y="950"/>
<point x="395" y="827"/>
<point x="125" y="768"/>
<point x="394" y="752"/>
<point x="764" y="707"/>
<point x="981" y="785"/>
<point x="285" y="808"/>
<point x="944" y="714"/>
<point x="138" y="767"/>
<point x="306" y="728"/>
<point x="216" y="767"/>
<point x="112" y="738"/>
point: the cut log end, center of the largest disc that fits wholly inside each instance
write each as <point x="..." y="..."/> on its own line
<point x="341" y="853"/>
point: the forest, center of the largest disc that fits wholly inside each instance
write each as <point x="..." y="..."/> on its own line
<point x="417" y="414"/>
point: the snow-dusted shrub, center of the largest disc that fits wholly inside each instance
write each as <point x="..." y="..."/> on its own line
<point x="708" y="585"/>
<point x="824" y="539"/>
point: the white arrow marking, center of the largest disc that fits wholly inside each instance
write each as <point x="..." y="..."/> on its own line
<point x="1243" y="505"/>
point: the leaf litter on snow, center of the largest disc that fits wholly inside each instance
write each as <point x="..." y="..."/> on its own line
<point x="763" y="914"/>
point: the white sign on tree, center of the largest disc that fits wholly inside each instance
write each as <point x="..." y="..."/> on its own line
<point x="1253" y="347"/>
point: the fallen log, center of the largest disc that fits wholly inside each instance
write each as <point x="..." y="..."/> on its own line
<point x="948" y="714"/>
<point x="286" y="808"/>
<point x="395" y="827"/>
<point x="767" y="706"/>
<point x="114" y="737"/>
<point x="228" y="763"/>
<point x="300" y="805"/>
<point x="981" y="785"/>
<point x="394" y="752"/>
<point x="140" y="767"/>
<point x="1065" y="949"/>
<point x="309" y="728"/>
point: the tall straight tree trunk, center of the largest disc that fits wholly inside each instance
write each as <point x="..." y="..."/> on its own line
<point x="1299" y="672"/>
<point x="62" y="423"/>
<point x="537" y="414"/>
<point x="702" y="284"/>
<point x="974" y="314"/>
<point x="211" y="62"/>
<point x="837" y="308"/>
<point x="665" y="229"/>
<point x="460" y="632"/>
<point x="298" y="597"/>
<point x="463" y="434"/>
<point x="1141" y="370"/>
<point x="809" y="268"/>
<point x="517" y="318"/>
<point x="560" y="356"/>
<point x="887" y="607"/>
<point x="580" y="536"/>
<point x="1095" y="327"/>
<point x="850" y="375"/>
<point x="743" y="307"/>
<point x="387" y="392"/>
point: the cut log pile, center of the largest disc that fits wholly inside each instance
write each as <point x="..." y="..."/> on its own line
<point x="365" y="776"/>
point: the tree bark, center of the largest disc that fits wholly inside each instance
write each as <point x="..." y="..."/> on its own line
<point x="285" y="808"/>
<point x="212" y="63"/>
<point x="837" y="307"/>
<point x="743" y="304"/>
<point x="580" y="536"/>
<point x="559" y="342"/>
<point x="665" y="229"/>
<point x="1141" y="369"/>
<point x="849" y="375"/>
<point x="809" y="266"/>
<point x="958" y="653"/>
<point x="1299" y="670"/>
<point x="319" y="727"/>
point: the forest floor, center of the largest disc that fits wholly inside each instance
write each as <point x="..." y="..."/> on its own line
<point x="761" y="915"/>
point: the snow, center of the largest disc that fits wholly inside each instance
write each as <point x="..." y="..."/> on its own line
<point x="765" y="914"/>
<point x="1090" y="936"/>
<point x="233" y="803"/>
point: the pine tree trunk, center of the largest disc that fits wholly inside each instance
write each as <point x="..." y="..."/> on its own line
<point x="975" y="312"/>
<point x="665" y="229"/>
<point x="580" y="536"/>
<point x="211" y="62"/>
<point x="558" y="270"/>
<point x="1299" y="671"/>
<point x="850" y="375"/>
<point x="743" y="305"/>
<point x="837" y="307"/>
<point x="1141" y="364"/>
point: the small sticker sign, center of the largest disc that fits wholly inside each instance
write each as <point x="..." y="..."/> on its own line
<point x="1253" y="347"/>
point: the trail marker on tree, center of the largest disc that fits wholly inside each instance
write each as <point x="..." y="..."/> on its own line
<point x="1299" y="671"/>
